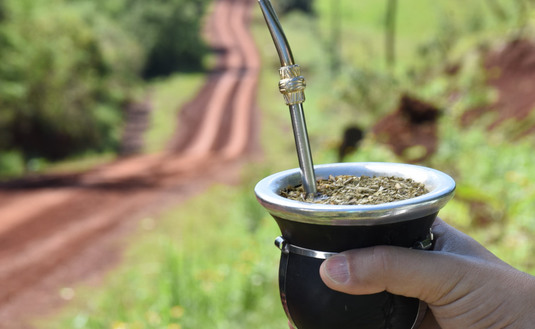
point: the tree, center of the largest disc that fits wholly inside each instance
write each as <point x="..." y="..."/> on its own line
<point x="68" y="66"/>
<point x="63" y="77"/>
<point x="167" y="30"/>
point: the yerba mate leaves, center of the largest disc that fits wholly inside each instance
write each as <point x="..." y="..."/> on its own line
<point x="363" y="190"/>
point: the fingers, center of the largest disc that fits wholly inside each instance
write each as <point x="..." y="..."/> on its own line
<point x="465" y="285"/>
<point x="401" y="271"/>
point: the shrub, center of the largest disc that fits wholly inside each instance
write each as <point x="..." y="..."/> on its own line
<point x="62" y="79"/>
<point x="68" y="66"/>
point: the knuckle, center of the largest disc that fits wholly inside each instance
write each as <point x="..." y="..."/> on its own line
<point x="382" y="260"/>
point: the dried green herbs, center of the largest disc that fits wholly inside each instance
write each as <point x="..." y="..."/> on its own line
<point x="363" y="190"/>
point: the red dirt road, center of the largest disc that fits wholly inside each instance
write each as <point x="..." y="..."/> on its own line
<point x="56" y="231"/>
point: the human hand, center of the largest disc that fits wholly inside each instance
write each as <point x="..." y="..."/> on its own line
<point x="464" y="284"/>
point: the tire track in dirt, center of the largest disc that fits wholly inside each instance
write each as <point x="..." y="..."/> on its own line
<point x="45" y="228"/>
<point x="232" y="97"/>
<point x="246" y="89"/>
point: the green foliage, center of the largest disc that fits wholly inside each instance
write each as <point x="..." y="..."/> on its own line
<point x="177" y="48"/>
<point x="62" y="79"/>
<point x="285" y="6"/>
<point x="68" y="66"/>
<point x="369" y="92"/>
<point x="168" y="31"/>
<point x="495" y="192"/>
<point x="11" y="164"/>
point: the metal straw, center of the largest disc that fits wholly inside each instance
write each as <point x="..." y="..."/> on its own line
<point x="292" y="86"/>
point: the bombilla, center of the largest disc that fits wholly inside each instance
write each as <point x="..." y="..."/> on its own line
<point x="292" y="86"/>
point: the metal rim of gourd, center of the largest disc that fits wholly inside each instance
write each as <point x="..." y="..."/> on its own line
<point x="440" y="185"/>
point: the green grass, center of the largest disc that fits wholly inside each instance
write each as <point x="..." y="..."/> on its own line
<point x="12" y="165"/>
<point x="168" y="95"/>
<point x="210" y="262"/>
<point x="419" y="22"/>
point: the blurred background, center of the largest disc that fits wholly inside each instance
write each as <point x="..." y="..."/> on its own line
<point x="133" y="132"/>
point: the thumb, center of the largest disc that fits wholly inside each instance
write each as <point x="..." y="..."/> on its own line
<point x="401" y="271"/>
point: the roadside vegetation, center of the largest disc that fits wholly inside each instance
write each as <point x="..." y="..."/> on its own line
<point x="211" y="263"/>
<point x="69" y="67"/>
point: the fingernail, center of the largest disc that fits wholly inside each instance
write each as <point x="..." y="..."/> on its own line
<point x="337" y="269"/>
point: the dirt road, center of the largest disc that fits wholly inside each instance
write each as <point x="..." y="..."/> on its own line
<point x="55" y="231"/>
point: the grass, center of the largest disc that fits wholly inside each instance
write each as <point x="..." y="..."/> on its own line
<point x="210" y="262"/>
<point x="168" y="96"/>
<point x="418" y="23"/>
<point x="12" y="165"/>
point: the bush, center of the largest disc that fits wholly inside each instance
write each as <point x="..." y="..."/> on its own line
<point x="168" y="31"/>
<point x="62" y="79"/>
<point x="306" y="6"/>
<point x="68" y="66"/>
